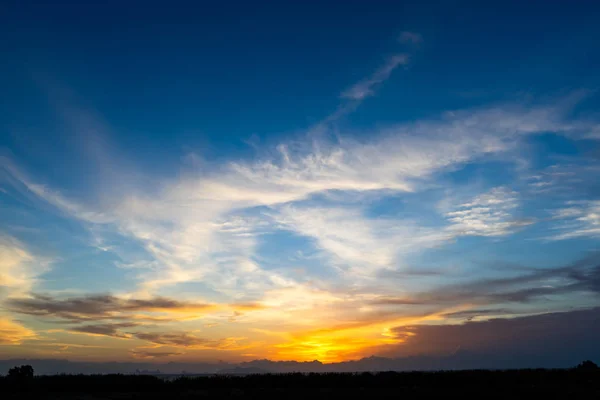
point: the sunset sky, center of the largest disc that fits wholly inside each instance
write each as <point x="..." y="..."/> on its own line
<point x="297" y="180"/>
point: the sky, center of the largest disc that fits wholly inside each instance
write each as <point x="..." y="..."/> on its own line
<point x="302" y="181"/>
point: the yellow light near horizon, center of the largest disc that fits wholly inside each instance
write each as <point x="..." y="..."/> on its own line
<point x="350" y="341"/>
<point x="331" y="347"/>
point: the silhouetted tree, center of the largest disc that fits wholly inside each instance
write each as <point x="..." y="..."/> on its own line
<point x="588" y="365"/>
<point x="22" y="373"/>
<point x="527" y="383"/>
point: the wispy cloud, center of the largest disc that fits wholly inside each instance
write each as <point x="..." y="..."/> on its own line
<point x="19" y="268"/>
<point x="579" y="219"/>
<point x="365" y="88"/>
<point x="358" y="245"/>
<point x="489" y="214"/>
<point x="99" y="307"/>
<point x="190" y="226"/>
<point x="104" y="329"/>
<point x="580" y="276"/>
<point x="185" y="340"/>
<point x="12" y="333"/>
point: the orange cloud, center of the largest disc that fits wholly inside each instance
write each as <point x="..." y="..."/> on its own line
<point x="12" y="333"/>
<point x="247" y="306"/>
<point x="350" y="340"/>
<point x="143" y="354"/>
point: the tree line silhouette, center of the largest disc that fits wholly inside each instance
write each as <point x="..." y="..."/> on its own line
<point x="581" y="380"/>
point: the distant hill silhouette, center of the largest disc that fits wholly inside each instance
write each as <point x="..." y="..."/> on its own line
<point x="460" y="360"/>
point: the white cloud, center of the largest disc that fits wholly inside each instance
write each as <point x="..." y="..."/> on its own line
<point x="192" y="226"/>
<point x="19" y="268"/>
<point x="489" y="214"/>
<point x="358" y="246"/>
<point x="580" y="219"/>
<point x="364" y="89"/>
<point x="562" y="177"/>
<point x="569" y="212"/>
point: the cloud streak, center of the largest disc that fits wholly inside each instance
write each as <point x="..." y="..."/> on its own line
<point x="489" y="214"/>
<point x="580" y="219"/>
<point x="154" y="354"/>
<point x="101" y="307"/>
<point x="365" y="88"/>
<point x="112" y="330"/>
<point x="185" y="340"/>
<point x="581" y="276"/>
<point x="19" y="268"/>
<point x="12" y="333"/>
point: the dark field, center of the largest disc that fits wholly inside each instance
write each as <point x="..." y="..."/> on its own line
<point x="473" y="384"/>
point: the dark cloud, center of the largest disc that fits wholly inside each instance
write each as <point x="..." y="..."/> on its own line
<point x="97" y="307"/>
<point x="154" y="354"/>
<point x="180" y="339"/>
<point x="414" y="272"/>
<point x="531" y="336"/>
<point x="581" y="276"/>
<point x="104" y="329"/>
<point x="173" y="339"/>
<point x="399" y="301"/>
<point x="481" y="312"/>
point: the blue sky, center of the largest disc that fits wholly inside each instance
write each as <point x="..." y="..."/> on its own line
<point x="292" y="180"/>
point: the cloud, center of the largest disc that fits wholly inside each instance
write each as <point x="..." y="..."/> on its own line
<point x="19" y="268"/>
<point x="54" y="197"/>
<point x="352" y="339"/>
<point x="481" y="312"/>
<point x="104" y="329"/>
<point x="247" y="306"/>
<point x="364" y="246"/>
<point x="189" y="226"/>
<point x="514" y="337"/>
<point x="365" y="88"/>
<point x="580" y="276"/>
<point x="358" y="245"/>
<point x="594" y="133"/>
<point x="12" y="333"/>
<point x="97" y="307"/>
<point x="207" y="226"/>
<point x="410" y="38"/>
<point x="489" y="214"/>
<point x="185" y="340"/>
<point x="154" y="354"/>
<point x="580" y="219"/>
<point x="573" y="177"/>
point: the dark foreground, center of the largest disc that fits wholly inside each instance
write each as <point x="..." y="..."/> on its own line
<point x="408" y="385"/>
